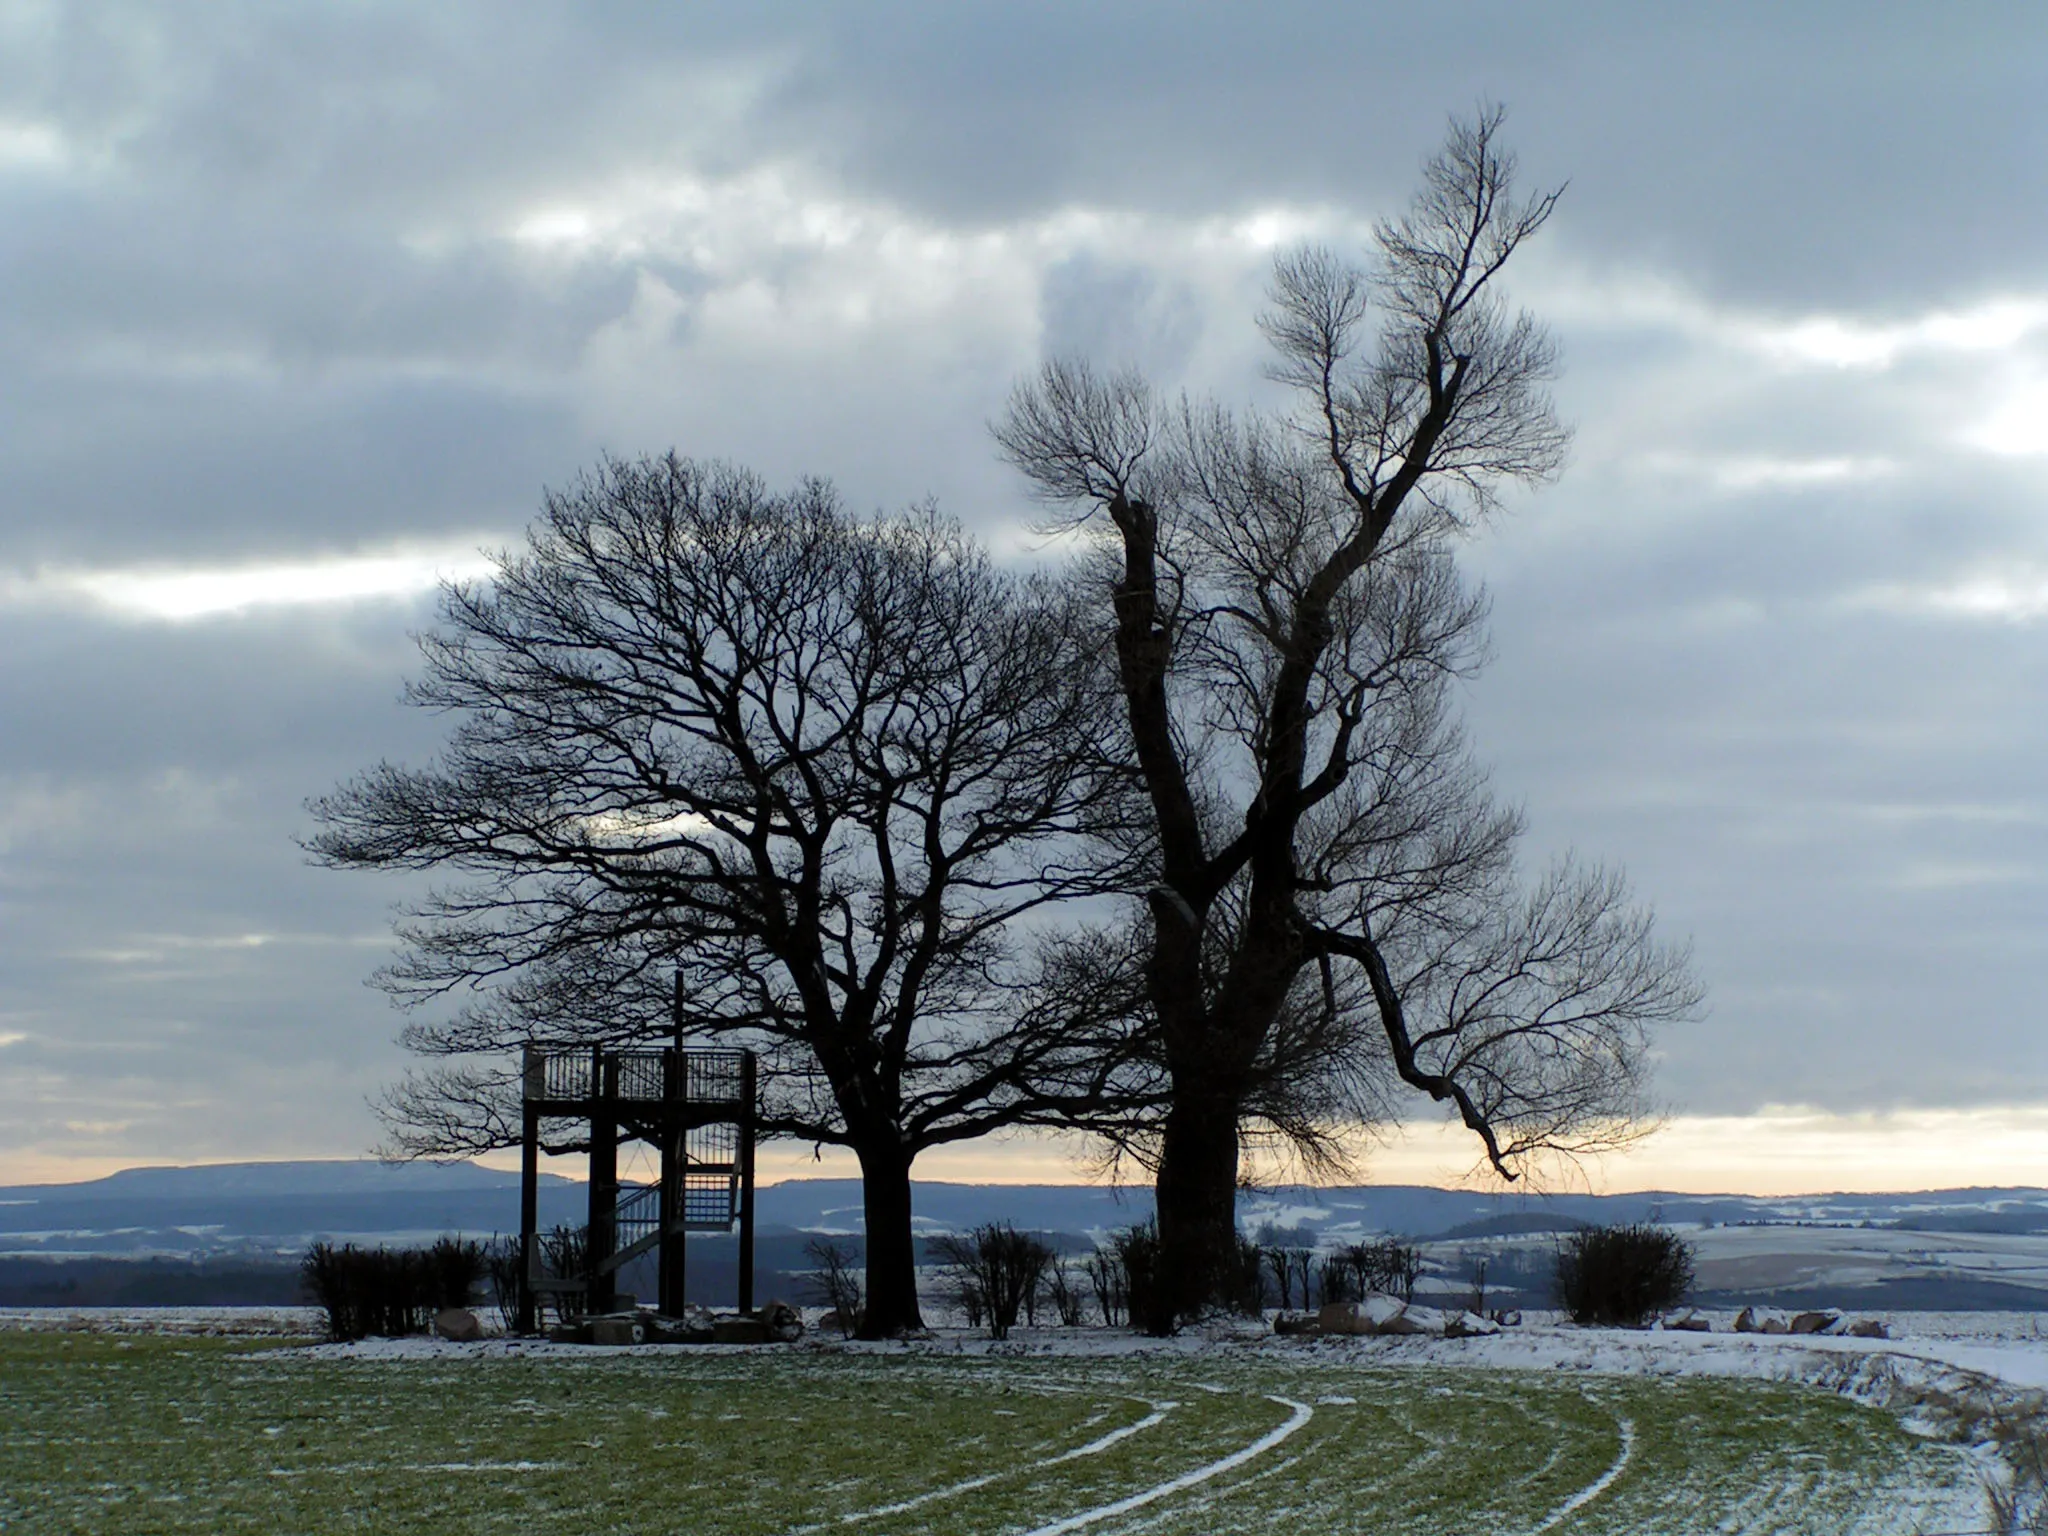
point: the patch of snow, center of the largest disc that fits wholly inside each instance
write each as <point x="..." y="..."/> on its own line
<point x="1094" y="1447"/>
<point x="487" y="1466"/>
<point x="1598" y="1486"/>
<point x="259" y="1321"/>
<point x="1300" y="1416"/>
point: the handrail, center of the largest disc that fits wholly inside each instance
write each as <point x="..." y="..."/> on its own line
<point x="573" y="1074"/>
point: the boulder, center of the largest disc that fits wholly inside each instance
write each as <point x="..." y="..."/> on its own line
<point x="1508" y="1317"/>
<point x="458" y="1324"/>
<point x="1288" y="1323"/>
<point x="1867" y="1328"/>
<point x="569" y="1333"/>
<point x="739" y="1330"/>
<point x="1814" y="1322"/>
<point x="1380" y="1310"/>
<point x="692" y="1326"/>
<point x="1413" y="1320"/>
<point x="784" y="1323"/>
<point x="630" y="1329"/>
<point x="1688" y="1321"/>
<point x="1468" y="1325"/>
<point x="1343" y="1317"/>
<point x="1762" y="1320"/>
<point x="1375" y="1314"/>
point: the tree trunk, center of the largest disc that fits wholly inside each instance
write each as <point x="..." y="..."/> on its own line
<point x="891" y="1254"/>
<point x="1197" y="1203"/>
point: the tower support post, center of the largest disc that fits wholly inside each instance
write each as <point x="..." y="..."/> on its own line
<point x="604" y="1178"/>
<point x="746" y="1151"/>
<point x="673" y="1255"/>
<point x="531" y="1087"/>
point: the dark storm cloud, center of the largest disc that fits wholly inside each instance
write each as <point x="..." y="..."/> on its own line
<point x="291" y="283"/>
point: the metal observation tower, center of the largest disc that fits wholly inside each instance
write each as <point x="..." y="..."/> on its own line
<point x="697" y="1108"/>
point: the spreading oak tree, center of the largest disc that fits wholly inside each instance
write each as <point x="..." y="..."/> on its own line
<point x="734" y="765"/>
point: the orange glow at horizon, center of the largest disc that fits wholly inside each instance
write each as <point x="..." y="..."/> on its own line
<point x="1786" y="1150"/>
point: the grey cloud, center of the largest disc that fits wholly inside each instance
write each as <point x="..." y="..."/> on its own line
<point x="1832" y="155"/>
<point x="266" y="309"/>
<point x="1118" y="314"/>
<point x="86" y="692"/>
<point x="1844" y="810"/>
<point x="221" y="470"/>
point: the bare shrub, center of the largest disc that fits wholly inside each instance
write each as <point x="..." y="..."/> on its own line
<point x="1303" y="1261"/>
<point x="1388" y="1266"/>
<point x="1105" y="1270"/>
<point x="1280" y="1263"/>
<point x="566" y="1253"/>
<point x="1247" y="1291"/>
<point x="1069" y="1300"/>
<point x="836" y="1280"/>
<point x="505" y="1269"/>
<point x="389" y="1292"/>
<point x="999" y="1272"/>
<point x="1622" y="1274"/>
<point x="1476" y="1302"/>
<point x="1337" y="1280"/>
<point x="1136" y="1251"/>
<point x="454" y="1268"/>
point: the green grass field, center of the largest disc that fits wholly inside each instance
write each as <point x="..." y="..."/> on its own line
<point x="150" y="1434"/>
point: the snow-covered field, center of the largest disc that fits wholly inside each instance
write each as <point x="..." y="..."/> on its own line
<point x="222" y="1322"/>
<point x="1541" y="1428"/>
<point x="1839" y="1262"/>
<point x="1748" y="1258"/>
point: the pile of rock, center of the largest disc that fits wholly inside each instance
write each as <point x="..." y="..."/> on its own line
<point x="776" y="1323"/>
<point x="1825" y="1320"/>
<point x="1379" y="1316"/>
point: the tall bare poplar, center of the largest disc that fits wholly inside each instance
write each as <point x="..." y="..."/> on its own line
<point x="1333" y="915"/>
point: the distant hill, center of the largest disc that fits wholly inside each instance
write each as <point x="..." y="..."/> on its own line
<point x="280" y="1206"/>
<point x="238" y="1221"/>
<point x="249" y="1209"/>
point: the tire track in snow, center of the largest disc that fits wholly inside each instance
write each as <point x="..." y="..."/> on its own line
<point x="1598" y="1486"/>
<point x="1195" y="1507"/>
<point x="1300" y="1416"/>
<point x="1094" y="1447"/>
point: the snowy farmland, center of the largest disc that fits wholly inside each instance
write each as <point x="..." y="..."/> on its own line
<point x="1544" y="1428"/>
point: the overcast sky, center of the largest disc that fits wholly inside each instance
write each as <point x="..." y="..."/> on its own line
<point x="304" y="305"/>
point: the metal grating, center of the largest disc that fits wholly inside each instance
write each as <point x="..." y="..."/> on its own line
<point x="641" y="1077"/>
<point x="637" y="1214"/>
<point x="713" y="1077"/>
<point x="711" y="1201"/>
<point x="716" y="1145"/>
<point x="563" y="1075"/>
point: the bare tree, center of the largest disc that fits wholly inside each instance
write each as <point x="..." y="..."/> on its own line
<point x="731" y="764"/>
<point x="997" y="1271"/>
<point x="1332" y="909"/>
